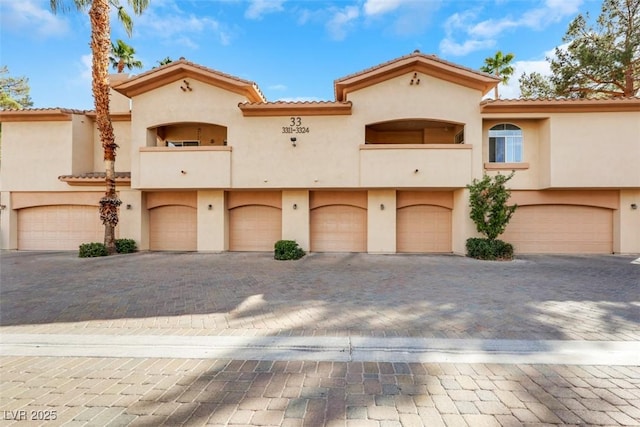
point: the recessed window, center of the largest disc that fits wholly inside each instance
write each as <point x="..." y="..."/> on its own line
<point x="505" y="143"/>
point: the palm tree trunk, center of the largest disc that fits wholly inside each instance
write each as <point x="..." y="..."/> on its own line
<point x="100" y="46"/>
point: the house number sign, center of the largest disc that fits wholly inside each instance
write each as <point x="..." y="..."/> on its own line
<point x="295" y="126"/>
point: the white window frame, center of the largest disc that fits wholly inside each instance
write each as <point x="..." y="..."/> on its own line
<point x="511" y="139"/>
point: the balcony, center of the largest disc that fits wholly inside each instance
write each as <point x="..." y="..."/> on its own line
<point x="415" y="165"/>
<point x="185" y="167"/>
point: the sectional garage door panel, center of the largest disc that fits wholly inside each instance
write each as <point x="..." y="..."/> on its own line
<point x="423" y="228"/>
<point x="173" y="228"/>
<point x="560" y="229"/>
<point x="62" y="227"/>
<point x="339" y="228"/>
<point x="254" y="228"/>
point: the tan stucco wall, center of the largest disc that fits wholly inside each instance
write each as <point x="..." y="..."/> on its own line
<point x="81" y="143"/>
<point x="381" y="220"/>
<point x="295" y="220"/>
<point x="122" y="132"/>
<point x="34" y="154"/>
<point x="627" y="223"/>
<point x="595" y="150"/>
<point x="212" y="226"/>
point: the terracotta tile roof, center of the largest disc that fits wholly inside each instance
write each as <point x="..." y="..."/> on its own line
<point x="560" y="104"/>
<point x="417" y="62"/>
<point x="287" y="108"/>
<point x="417" y="54"/>
<point x="49" y="109"/>
<point x="183" y="62"/>
<point x="94" y="178"/>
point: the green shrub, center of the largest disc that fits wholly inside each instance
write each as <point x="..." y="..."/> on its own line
<point x="288" y="249"/>
<point x="489" y="249"/>
<point x="94" y="249"/>
<point x="125" y="246"/>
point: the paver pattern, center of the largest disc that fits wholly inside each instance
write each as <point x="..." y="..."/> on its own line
<point x="154" y="392"/>
<point x="537" y="297"/>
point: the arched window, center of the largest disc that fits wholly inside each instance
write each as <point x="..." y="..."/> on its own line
<point x="505" y="143"/>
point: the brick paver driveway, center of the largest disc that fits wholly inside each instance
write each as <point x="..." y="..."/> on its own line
<point x="534" y="297"/>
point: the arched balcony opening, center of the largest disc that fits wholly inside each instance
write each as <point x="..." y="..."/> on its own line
<point x="189" y="135"/>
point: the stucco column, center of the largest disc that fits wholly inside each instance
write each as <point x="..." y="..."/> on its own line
<point x="461" y="223"/>
<point x="8" y="223"/>
<point x="131" y="212"/>
<point x="628" y="219"/>
<point x="295" y="217"/>
<point x="212" y="221"/>
<point x="381" y="222"/>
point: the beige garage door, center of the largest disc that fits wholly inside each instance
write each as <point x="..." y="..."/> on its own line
<point x="338" y="228"/>
<point x="173" y="228"/>
<point x="423" y="228"/>
<point x="58" y="227"/>
<point x="560" y="229"/>
<point x="254" y="228"/>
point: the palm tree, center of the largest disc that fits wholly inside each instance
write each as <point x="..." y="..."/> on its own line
<point x="100" y="47"/>
<point x="122" y="56"/>
<point x="165" y="61"/>
<point x="500" y="65"/>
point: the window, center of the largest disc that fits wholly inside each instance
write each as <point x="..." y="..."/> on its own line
<point x="505" y="144"/>
<point x="183" y="143"/>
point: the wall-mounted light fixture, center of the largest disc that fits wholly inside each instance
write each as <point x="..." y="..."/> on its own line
<point x="416" y="171"/>
<point x="183" y="172"/>
<point x="210" y="207"/>
<point x="293" y="140"/>
<point x="3" y="207"/>
<point x="129" y="207"/>
<point x="381" y="206"/>
<point x="186" y="86"/>
<point x="633" y="206"/>
<point x="295" y="206"/>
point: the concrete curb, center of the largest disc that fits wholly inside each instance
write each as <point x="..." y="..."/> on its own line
<point x="339" y="349"/>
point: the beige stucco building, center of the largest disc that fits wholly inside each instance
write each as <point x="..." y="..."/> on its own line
<point x="206" y="164"/>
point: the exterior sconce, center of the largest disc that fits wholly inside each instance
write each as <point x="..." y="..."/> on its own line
<point x="293" y="141"/>
<point x="129" y="207"/>
<point x="633" y="206"/>
<point x="3" y="207"/>
<point x="183" y="172"/>
<point x="416" y="171"/>
<point x="295" y="206"/>
<point x="210" y="207"/>
<point x="381" y="206"/>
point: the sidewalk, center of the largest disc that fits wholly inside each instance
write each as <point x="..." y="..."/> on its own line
<point x="349" y="340"/>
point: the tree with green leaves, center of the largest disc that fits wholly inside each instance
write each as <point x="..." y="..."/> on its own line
<point x="14" y="91"/>
<point x="536" y="86"/>
<point x="122" y="56"/>
<point x="99" y="17"/>
<point x="165" y="61"/>
<point x="600" y="60"/>
<point x="500" y="65"/>
<point x="488" y="198"/>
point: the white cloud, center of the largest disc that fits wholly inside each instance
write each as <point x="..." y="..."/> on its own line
<point x="341" y="21"/>
<point x="542" y="66"/>
<point x="257" y="8"/>
<point x="483" y="34"/>
<point x="31" y="18"/>
<point x="85" y="68"/>
<point x="377" y="7"/>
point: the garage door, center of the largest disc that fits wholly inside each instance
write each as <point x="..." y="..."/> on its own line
<point x="560" y="229"/>
<point x="58" y="227"/>
<point x="423" y="228"/>
<point x="254" y="228"/>
<point x="338" y="228"/>
<point x="173" y="228"/>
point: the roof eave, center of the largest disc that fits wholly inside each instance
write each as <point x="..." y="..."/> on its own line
<point x="560" y="105"/>
<point x="295" y="109"/>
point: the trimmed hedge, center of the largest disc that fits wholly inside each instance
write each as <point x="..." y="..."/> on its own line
<point x="126" y="246"/>
<point x="287" y="250"/>
<point x="486" y="249"/>
<point x="94" y="249"/>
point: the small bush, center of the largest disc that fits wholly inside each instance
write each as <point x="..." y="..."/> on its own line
<point x="489" y="249"/>
<point x="125" y="246"/>
<point x="288" y="249"/>
<point x="94" y="249"/>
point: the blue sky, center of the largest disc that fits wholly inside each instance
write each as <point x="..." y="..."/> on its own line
<point x="293" y="49"/>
